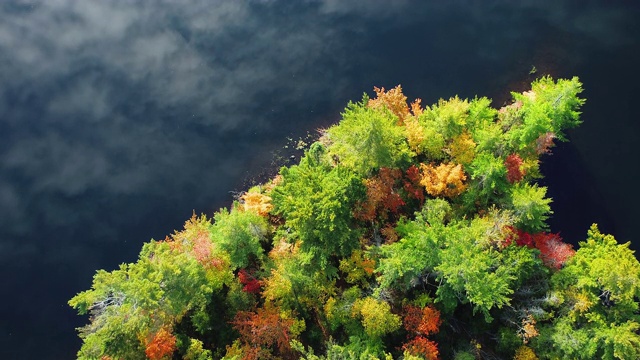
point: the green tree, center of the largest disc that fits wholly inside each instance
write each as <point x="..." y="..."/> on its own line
<point x="549" y="106"/>
<point x="239" y="234"/>
<point x="596" y="298"/>
<point x="316" y="201"/>
<point x="368" y="138"/>
<point x="530" y="207"/>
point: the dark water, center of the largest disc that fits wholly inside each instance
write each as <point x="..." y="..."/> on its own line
<point x="118" y="119"/>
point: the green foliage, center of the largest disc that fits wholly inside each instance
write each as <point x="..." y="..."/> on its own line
<point x="317" y="201"/>
<point x="448" y="116"/>
<point x="549" y="107"/>
<point x="132" y="302"/>
<point x="374" y="229"/>
<point x="472" y="272"/>
<point x="377" y="318"/>
<point x="597" y="304"/>
<point x="530" y="207"/>
<point x="239" y="234"/>
<point x="417" y="253"/>
<point x="488" y="181"/>
<point x="368" y="139"/>
<point x="196" y="351"/>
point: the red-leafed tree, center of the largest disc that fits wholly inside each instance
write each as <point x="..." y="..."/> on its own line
<point x="553" y="251"/>
<point x="513" y="163"/>
<point x="251" y="284"/>
<point x="263" y="330"/>
<point x="161" y="346"/>
<point x="412" y="184"/>
<point x="521" y="238"/>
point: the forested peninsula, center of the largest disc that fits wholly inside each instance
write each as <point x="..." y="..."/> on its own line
<point x="404" y="232"/>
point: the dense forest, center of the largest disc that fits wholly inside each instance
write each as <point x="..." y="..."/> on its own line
<point x="404" y="232"/>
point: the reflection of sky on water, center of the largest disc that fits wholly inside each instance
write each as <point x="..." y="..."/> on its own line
<point x="118" y="118"/>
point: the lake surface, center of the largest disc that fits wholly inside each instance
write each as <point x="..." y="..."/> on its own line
<point x="118" y="119"/>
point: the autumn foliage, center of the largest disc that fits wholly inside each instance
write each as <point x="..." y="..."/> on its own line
<point x="443" y="180"/>
<point x="250" y="283"/>
<point x="421" y="346"/>
<point x="513" y="163"/>
<point x="419" y="323"/>
<point x="256" y="202"/>
<point x="553" y="251"/>
<point x="382" y="195"/>
<point x="525" y="353"/>
<point x="544" y="143"/>
<point x="462" y="148"/>
<point x="161" y="346"/>
<point x="393" y="100"/>
<point x="404" y="232"/>
<point x="263" y="330"/>
<point x="412" y="184"/>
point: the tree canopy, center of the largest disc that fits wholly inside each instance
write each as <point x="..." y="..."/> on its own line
<point x="404" y="232"/>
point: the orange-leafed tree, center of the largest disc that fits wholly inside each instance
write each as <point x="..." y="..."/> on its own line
<point x="263" y="331"/>
<point x="423" y="347"/>
<point x="161" y="346"/>
<point x="443" y="180"/>
<point x="382" y="195"/>
<point x="394" y="100"/>
<point x="421" y="321"/>
<point x="528" y="329"/>
<point x="256" y="202"/>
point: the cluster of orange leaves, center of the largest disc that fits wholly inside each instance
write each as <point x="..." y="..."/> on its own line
<point x="396" y="102"/>
<point x="382" y="196"/>
<point x="161" y="346"/>
<point x="263" y="330"/>
<point x="528" y="329"/>
<point x="256" y="202"/>
<point x="393" y="100"/>
<point x="443" y="180"/>
<point x="421" y="346"/>
<point x="419" y="323"/>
